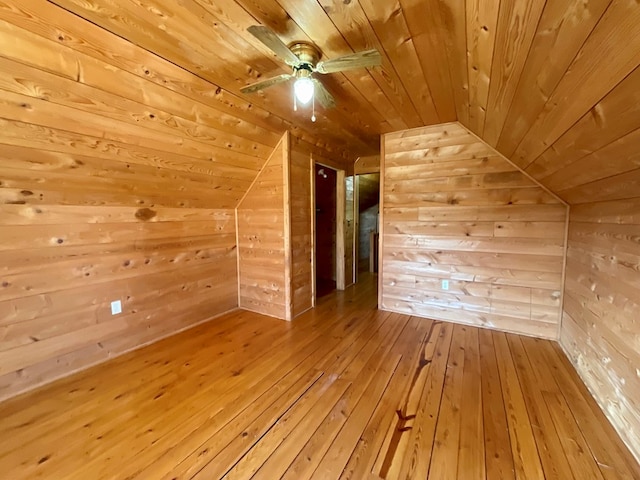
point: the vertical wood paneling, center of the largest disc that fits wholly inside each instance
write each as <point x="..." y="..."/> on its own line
<point x="341" y="230"/>
<point x="455" y="210"/>
<point x="349" y="230"/>
<point x="301" y="232"/>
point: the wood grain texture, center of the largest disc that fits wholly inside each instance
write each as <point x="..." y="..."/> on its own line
<point x="346" y="391"/>
<point x="119" y="178"/>
<point x="349" y="231"/>
<point x="562" y="29"/>
<point x="264" y="260"/>
<point x="365" y="165"/>
<point x="482" y="19"/>
<point x="301" y="210"/>
<point x="516" y="27"/>
<point x="274" y="230"/>
<point x="120" y="172"/>
<point x="599" y="329"/>
<point x="570" y="101"/>
<point x="482" y="230"/>
<point x="126" y="144"/>
<point x="520" y="74"/>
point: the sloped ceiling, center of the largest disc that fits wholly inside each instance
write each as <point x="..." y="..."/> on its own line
<point x="548" y="83"/>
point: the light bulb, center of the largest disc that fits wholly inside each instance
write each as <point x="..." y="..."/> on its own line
<point x="303" y="88"/>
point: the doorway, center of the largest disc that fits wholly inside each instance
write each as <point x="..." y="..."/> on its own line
<point x="367" y="226"/>
<point x="326" y="230"/>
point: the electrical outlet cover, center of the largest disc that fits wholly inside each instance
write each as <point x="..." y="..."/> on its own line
<point x="445" y="284"/>
<point x="116" y="307"/>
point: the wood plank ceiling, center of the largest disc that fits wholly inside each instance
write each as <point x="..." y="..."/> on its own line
<point x="518" y="73"/>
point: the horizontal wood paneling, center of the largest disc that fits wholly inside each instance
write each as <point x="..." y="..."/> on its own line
<point x="366" y="165"/>
<point x="225" y="55"/>
<point x="594" y="165"/>
<point x="119" y="173"/>
<point x="248" y="397"/>
<point x="125" y="139"/>
<point x="274" y="228"/>
<point x="600" y="329"/>
<point x="368" y="190"/>
<point x="263" y="259"/>
<point x="62" y="266"/>
<point x="454" y="210"/>
<point x="120" y="169"/>
<point x="520" y="74"/>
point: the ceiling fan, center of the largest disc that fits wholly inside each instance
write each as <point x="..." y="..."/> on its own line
<point x="304" y="58"/>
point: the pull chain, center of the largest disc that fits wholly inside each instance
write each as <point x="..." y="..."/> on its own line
<point x="313" y="114"/>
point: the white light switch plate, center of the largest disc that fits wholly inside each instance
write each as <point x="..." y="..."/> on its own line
<point x="445" y="284"/>
<point x="116" y="307"/>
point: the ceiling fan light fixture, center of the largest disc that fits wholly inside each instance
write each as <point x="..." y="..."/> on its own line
<point x="303" y="88"/>
<point x="304" y="58"/>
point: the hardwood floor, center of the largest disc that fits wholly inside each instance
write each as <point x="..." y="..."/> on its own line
<point x="345" y="391"/>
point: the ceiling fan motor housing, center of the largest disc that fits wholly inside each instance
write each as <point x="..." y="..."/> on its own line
<point x="307" y="53"/>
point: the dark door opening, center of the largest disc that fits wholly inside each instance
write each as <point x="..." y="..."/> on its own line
<point x="326" y="230"/>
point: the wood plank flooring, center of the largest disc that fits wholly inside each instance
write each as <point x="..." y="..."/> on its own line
<point x="345" y="391"/>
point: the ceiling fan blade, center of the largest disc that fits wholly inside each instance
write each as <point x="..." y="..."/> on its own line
<point x="277" y="46"/>
<point x="266" y="83"/>
<point x="368" y="58"/>
<point x="322" y="95"/>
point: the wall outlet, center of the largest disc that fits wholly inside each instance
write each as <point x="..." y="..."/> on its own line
<point x="116" y="307"/>
<point x="445" y="284"/>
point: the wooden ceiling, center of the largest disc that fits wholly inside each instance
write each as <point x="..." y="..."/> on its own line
<point x="528" y="76"/>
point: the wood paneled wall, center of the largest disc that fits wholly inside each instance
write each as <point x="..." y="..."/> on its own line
<point x="119" y="175"/>
<point x="454" y="209"/>
<point x="301" y="204"/>
<point x="367" y="165"/>
<point x="595" y="166"/>
<point x="112" y="187"/>
<point x="264" y="257"/>
<point x="349" y="231"/>
<point x="274" y="228"/>
<point x="601" y="323"/>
